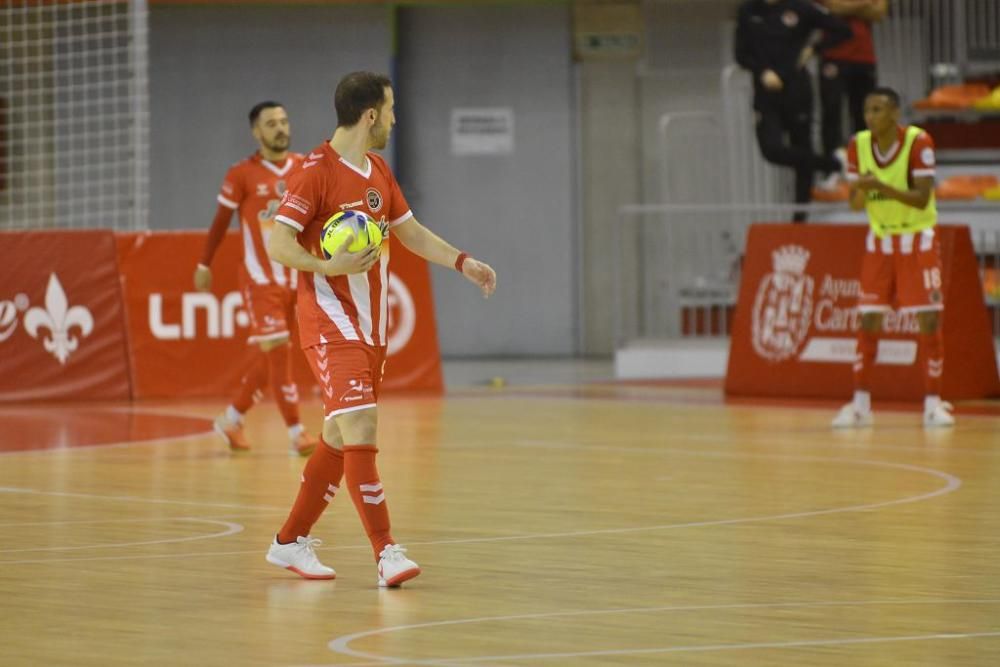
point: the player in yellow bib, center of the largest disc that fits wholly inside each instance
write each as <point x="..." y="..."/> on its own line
<point x="891" y="173"/>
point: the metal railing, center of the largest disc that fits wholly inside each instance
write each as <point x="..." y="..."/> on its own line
<point x="677" y="266"/>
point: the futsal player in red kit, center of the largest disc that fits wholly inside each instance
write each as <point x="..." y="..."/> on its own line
<point x="254" y="188"/>
<point x="343" y="318"/>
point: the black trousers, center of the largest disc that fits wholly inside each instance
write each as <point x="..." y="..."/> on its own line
<point x="784" y="133"/>
<point x="840" y="79"/>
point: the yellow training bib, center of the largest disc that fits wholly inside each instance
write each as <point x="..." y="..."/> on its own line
<point x="888" y="216"/>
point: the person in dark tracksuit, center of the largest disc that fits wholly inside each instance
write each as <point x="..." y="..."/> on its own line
<point x="774" y="41"/>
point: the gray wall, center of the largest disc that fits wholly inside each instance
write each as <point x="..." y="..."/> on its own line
<point x="514" y="210"/>
<point x="209" y="64"/>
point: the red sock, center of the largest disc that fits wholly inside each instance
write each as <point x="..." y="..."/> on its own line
<point x="864" y="359"/>
<point x="933" y="349"/>
<point x="320" y="479"/>
<point x="253" y="382"/>
<point x="361" y="477"/>
<point x="286" y="394"/>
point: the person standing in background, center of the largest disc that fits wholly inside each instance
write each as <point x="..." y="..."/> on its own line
<point x="254" y="187"/>
<point x="774" y="41"/>
<point x="891" y="175"/>
<point x="848" y="69"/>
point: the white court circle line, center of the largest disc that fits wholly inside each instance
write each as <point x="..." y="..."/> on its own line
<point x="230" y="529"/>
<point x="341" y="644"/>
<point x="951" y="484"/>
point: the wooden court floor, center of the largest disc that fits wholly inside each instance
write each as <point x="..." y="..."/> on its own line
<point x="588" y="524"/>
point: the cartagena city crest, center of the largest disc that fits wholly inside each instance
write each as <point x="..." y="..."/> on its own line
<point x="783" y="307"/>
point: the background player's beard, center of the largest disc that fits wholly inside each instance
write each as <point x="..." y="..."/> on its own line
<point x="379" y="137"/>
<point x="279" y="143"/>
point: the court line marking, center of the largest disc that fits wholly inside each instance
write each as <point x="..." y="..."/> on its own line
<point x="139" y="499"/>
<point x="231" y="529"/>
<point x="174" y="439"/>
<point x="147" y="519"/>
<point x="164" y="412"/>
<point x="951" y="484"/>
<point x="341" y="644"/>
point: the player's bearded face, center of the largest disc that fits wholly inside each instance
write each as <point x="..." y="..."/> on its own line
<point x="384" y="120"/>
<point x="381" y="129"/>
<point x="272" y="129"/>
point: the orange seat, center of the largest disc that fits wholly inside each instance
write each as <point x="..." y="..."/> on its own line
<point x="965" y="186"/>
<point x="840" y="193"/>
<point x="961" y="96"/>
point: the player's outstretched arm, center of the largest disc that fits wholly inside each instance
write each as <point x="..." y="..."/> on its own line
<point x="283" y="246"/>
<point x="433" y="248"/>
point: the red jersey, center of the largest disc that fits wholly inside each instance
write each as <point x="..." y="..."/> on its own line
<point x="352" y="307"/>
<point x="254" y="187"/>
<point x="860" y="48"/>
<point x="922" y="157"/>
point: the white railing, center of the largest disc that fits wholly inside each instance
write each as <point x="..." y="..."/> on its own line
<point x="677" y="266"/>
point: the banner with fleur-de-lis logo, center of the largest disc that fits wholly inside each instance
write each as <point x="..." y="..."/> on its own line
<point x="62" y="323"/>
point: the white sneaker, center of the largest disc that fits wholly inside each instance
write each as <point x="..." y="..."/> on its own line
<point x="841" y="155"/>
<point x="394" y="567"/>
<point x="829" y="183"/>
<point x="300" y="558"/>
<point x="939" y="416"/>
<point x="232" y="433"/>
<point x="850" y="417"/>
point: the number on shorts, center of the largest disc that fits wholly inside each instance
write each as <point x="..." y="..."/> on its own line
<point x="932" y="278"/>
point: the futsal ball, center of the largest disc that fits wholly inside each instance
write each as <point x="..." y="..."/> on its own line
<point x="335" y="230"/>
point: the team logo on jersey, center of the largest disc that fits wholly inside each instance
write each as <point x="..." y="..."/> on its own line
<point x="927" y="156"/>
<point x="790" y="19"/>
<point x="280" y="187"/>
<point x="262" y="189"/>
<point x="59" y="318"/>
<point x="783" y="307"/>
<point x="374" y="199"/>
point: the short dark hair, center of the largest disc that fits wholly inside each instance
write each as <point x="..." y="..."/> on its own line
<point x="356" y="92"/>
<point x="887" y="93"/>
<point x="260" y="106"/>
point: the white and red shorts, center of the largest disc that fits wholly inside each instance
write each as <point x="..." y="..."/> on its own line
<point x="904" y="266"/>
<point x="271" y="308"/>
<point x="349" y="375"/>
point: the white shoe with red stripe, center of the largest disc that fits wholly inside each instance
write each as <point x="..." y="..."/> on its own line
<point x="939" y="415"/>
<point x="300" y="558"/>
<point x="394" y="567"/>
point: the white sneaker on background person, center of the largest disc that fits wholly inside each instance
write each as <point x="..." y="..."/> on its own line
<point x="937" y="412"/>
<point x="851" y="417"/>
